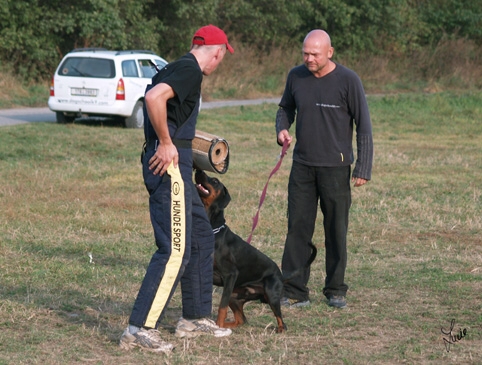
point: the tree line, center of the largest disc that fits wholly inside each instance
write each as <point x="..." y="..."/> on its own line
<point x="36" y="34"/>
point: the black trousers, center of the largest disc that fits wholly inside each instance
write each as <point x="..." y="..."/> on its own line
<point x="308" y="186"/>
<point x="185" y="247"/>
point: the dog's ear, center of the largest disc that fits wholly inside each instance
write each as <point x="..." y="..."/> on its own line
<point x="226" y="197"/>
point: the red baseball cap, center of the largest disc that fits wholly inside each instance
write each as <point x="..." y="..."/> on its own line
<point x="210" y="35"/>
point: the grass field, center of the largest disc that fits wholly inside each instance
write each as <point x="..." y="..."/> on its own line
<point x="75" y="239"/>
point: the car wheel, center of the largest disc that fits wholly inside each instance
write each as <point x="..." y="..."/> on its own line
<point x="62" y="118"/>
<point x="136" y="120"/>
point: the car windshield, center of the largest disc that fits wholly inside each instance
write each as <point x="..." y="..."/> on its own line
<point x="88" y="67"/>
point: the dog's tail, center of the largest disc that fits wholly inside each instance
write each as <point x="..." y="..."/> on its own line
<point x="314" y="252"/>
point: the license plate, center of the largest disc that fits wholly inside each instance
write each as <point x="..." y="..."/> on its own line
<point x="83" y="92"/>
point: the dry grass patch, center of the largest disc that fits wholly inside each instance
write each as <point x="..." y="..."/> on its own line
<point x="75" y="240"/>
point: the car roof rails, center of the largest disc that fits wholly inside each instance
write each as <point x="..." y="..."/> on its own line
<point x="131" y="51"/>
<point x="88" y="49"/>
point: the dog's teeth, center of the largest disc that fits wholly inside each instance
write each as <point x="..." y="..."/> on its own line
<point x="202" y="188"/>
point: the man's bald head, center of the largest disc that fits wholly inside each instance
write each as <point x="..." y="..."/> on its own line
<point x="317" y="52"/>
<point x="318" y="35"/>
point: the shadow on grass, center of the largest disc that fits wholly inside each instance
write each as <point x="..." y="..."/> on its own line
<point x="100" y="122"/>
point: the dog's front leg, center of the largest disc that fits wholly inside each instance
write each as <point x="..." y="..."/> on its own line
<point x="229" y="281"/>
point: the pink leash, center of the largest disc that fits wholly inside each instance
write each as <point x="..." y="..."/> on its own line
<point x="263" y="194"/>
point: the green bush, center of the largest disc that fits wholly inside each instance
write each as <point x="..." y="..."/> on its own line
<point x="35" y="34"/>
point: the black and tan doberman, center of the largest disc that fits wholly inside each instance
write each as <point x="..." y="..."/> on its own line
<point x="244" y="272"/>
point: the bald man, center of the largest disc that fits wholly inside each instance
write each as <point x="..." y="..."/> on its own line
<point x="328" y="102"/>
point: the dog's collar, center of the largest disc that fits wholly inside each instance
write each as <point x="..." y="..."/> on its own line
<point x="217" y="230"/>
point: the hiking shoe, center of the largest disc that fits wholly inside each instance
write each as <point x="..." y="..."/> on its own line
<point x="285" y="302"/>
<point x="194" y="327"/>
<point x="293" y="303"/>
<point x="300" y="303"/>
<point x="337" y="301"/>
<point x="145" y="339"/>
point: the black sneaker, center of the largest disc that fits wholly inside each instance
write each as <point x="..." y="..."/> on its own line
<point x="337" y="301"/>
<point x="294" y="303"/>
<point x="284" y="302"/>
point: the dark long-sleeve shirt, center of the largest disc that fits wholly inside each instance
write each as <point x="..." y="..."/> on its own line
<point x="326" y="110"/>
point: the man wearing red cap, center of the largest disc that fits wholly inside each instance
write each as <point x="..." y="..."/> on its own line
<point x="183" y="234"/>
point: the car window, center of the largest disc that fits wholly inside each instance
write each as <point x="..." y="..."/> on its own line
<point x="88" y="67"/>
<point x="147" y="69"/>
<point x="159" y="63"/>
<point x="129" y="68"/>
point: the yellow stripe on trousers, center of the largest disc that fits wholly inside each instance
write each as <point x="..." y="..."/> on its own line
<point x="178" y="245"/>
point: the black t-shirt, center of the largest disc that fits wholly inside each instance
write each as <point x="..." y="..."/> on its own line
<point x="326" y="110"/>
<point x="185" y="77"/>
